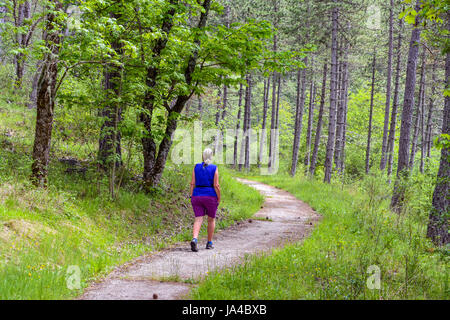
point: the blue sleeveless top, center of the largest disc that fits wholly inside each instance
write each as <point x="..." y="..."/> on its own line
<point x="204" y="180"/>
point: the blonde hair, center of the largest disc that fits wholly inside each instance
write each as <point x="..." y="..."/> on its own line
<point x="207" y="156"/>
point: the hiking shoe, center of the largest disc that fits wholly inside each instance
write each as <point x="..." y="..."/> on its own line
<point x="194" y="246"/>
<point x="209" y="245"/>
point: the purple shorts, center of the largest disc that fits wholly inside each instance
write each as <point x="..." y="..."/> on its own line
<point x="204" y="205"/>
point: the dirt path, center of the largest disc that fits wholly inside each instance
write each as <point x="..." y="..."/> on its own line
<point x="167" y="274"/>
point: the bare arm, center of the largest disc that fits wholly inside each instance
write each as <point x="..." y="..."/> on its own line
<point x="216" y="184"/>
<point x="192" y="182"/>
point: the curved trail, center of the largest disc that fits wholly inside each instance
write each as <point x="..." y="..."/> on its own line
<point x="167" y="274"/>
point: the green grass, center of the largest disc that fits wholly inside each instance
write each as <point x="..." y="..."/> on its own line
<point x="75" y="222"/>
<point x="357" y="231"/>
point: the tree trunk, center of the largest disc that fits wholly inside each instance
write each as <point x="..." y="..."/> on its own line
<point x="218" y="130"/>
<point x="274" y="115"/>
<point x="438" y="221"/>
<point x="200" y="107"/>
<point x="418" y="111"/>
<point x="342" y="121"/>
<point x="166" y="143"/>
<point x="238" y="125"/>
<point x="428" y="139"/>
<point x="219" y="106"/>
<point x="242" y="154"/>
<point x="225" y="103"/>
<point x="332" y="117"/>
<point x="369" y="134"/>
<point x="146" y="117"/>
<point x="393" y="124"/>
<point x="46" y="99"/>
<point x="408" y="103"/>
<point x="422" y="129"/>
<point x="187" y="109"/>
<point x="3" y="11"/>
<point x="109" y="149"/>
<point x="301" y="89"/>
<point x="273" y="118"/>
<point x="225" y="88"/>
<point x="248" y="109"/>
<point x="341" y="111"/>
<point x="277" y="113"/>
<point x="312" y="94"/>
<point x="312" y="168"/>
<point x="262" y="140"/>
<point x="384" y="146"/>
<point x="339" y="105"/>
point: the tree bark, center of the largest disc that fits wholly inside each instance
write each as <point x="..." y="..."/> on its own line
<point x="332" y="117"/>
<point x="422" y="128"/>
<point x="428" y="139"/>
<point x="393" y="124"/>
<point x="438" y="221"/>
<point x="200" y="107"/>
<point x="225" y="88"/>
<point x="248" y="109"/>
<point x="146" y="117"/>
<point x="418" y="111"/>
<point x="46" y="94"/>
<point x="369" y="133"/>
<point x="384" y="146"/>
<point x="274" y="90"/>
<point x="342" y="113"/>
<point x="277" y="113"/>
<point x="312" y="94"/>
<point x="262" y="140"/>
<point x="242" y="154"/>
<point x="301" y="89"/>
<point x="225" y="103"/>
<point x="219" y="106"/>
<point x="339" y="106"/>
<point x="408" y="103"/>
<point x="273" y="118"/>
<point x="312" y="167"/>
<point x="342" y="133"/>
<point x="238" y="125"/>
<point x="3" y="11"/>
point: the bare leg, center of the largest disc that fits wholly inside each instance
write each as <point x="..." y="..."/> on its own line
<point x="211" y="227"/>
<point x="197" y="225"/>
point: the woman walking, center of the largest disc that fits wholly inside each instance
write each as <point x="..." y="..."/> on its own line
<point x="205" y="197"/>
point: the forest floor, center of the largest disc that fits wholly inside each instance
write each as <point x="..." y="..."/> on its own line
<point x="172" y="272"/>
